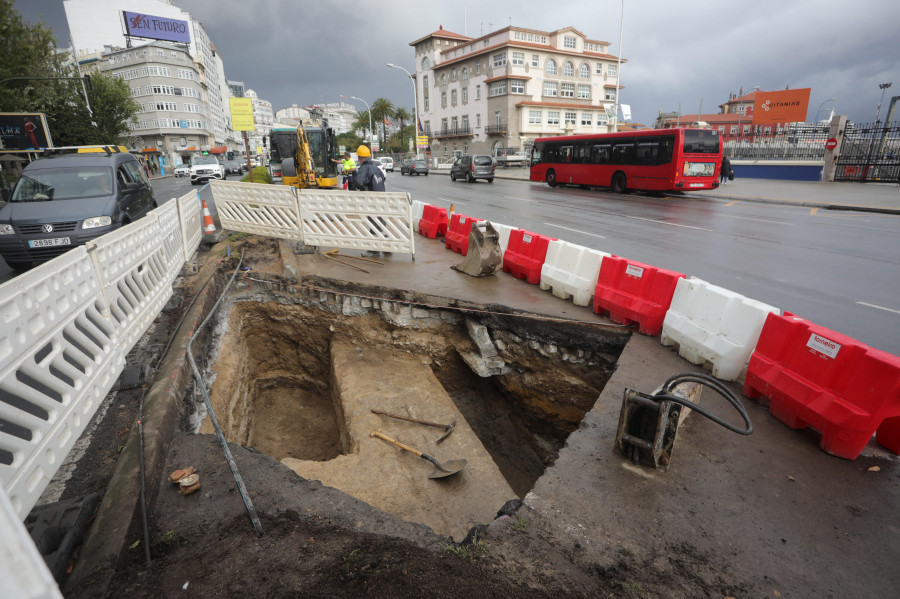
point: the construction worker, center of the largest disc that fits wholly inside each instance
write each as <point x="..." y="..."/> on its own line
<point x="348" y="167"/>
<point x="369" y="177"/>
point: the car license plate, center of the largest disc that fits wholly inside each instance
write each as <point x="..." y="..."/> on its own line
<point x="45" y="243"/>
<point x="696" y="184"/>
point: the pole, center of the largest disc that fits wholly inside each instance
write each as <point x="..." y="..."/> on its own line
<point x="619" y="66"/>
<point x="247" y="150"/>
<point x="823" y="104"/>
<point x="371" y="131"/>
<point x="415" y="101"/>
<point x="882" y="86"/>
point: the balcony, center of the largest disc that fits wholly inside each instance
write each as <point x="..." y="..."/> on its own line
<point x="453" y="132"/>
<point x="497" y="129"/>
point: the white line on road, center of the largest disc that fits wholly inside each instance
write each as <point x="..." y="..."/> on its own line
<point x="762" y="220"/>
<point x="520" y="199"/>
<point x="662" y="222"/>
<point x="879" y="307"/>
<point x="575" y="230"/>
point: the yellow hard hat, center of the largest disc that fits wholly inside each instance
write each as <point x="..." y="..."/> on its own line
<point x="363" y="151"/>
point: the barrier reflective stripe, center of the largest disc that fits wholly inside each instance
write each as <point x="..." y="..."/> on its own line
<point x="635" y="292"/>
<point x="433" y="221"/>
<point x="817" y="377"/>
<point x="525" y="254"/>
<point x="457" y="238"/>
<point x="715" y="326"/>
<point x="571" y="271"/>
<point x="60" y="354"/>
<point x="131" y="265"/>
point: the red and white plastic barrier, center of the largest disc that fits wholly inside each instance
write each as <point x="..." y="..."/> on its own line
<point x="571" y="270"/>
<point x="524" y="256"/>
<point x="457" y="238"/>
<point x="635" y="292"/>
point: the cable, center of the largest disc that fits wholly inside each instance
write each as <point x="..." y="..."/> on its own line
<point x="140" y="423"/>
<point x="666" y="393"/>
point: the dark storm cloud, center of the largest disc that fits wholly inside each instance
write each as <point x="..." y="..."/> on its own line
<point x="678" y="52"/>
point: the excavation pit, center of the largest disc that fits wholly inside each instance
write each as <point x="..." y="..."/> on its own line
<point x="297" y="373"/>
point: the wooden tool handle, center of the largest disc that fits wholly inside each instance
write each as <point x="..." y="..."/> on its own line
<point x="411" y="450"/>
<point x="408" y="419"/>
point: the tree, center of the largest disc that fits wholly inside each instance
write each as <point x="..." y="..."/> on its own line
<point x="382" y="108"/>
<point x="362" y="122"/>
<point x="402" y="115"/>
<point x="27" y="51"/>
<point x="112" y="104"/>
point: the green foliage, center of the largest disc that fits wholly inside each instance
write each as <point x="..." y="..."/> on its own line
<point x="260" y="175"/>
<point x="349" y="140"/>
<point x="473" y="551"/>
<point x="402" y="115"/>
<point x="521" y="525"/>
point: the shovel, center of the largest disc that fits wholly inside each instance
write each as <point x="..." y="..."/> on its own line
<point x="440" y="470"/>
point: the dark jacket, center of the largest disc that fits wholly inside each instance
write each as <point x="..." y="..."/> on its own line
<point x="726" y="167"/>
<point x="368" y="177"/>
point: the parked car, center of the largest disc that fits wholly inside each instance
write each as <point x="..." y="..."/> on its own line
<point x="183" y="170"/>
<point x="473" y="166"/>
<point x="414" y="167"/>
<point x="233" y="167"/>
<point x="377" y="162"/>
<point x="66" y="200"/>
<point x="204" y="168"/>
<point x="388" y="163"/>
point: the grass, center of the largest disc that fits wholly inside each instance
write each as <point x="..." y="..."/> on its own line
<point x="260" y="175"/>
<point x="475" y="549"/>
<point x="521" y="525"/>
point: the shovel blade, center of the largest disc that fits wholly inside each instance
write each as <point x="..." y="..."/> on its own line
<point x="448" y="469"/>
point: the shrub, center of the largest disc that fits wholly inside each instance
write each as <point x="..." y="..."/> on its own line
<point x="260" y="175"/>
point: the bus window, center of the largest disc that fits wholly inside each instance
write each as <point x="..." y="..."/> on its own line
<point x="600" y="154"/>
<point x="536" y="153"/>
<point x="565" y="154"/>
<point x="583" y="154"/>
<point x="623" y="152"/>
<point x="701" y="141"/>
<point x="666" y="147"/>
<point x="647" y="153"/>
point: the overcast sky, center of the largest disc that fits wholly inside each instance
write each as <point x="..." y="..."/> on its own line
<point x="679" y="52"/>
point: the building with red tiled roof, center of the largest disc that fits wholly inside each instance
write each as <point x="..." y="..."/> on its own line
<point x="508" y="87"/>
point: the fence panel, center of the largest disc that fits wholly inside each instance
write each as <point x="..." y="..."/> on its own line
<point x="191" y="223"/>
<point x="269" y="210"/>
<point x="870" y="152"/>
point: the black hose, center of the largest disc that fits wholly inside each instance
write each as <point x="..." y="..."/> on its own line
<point x="666" y="393"/>
<point x="140" y="423"/>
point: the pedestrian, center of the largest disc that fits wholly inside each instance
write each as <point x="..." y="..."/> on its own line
<point x="725" y="171"/>
<point x="368" y="177"/>
<point x="348" y="166"/>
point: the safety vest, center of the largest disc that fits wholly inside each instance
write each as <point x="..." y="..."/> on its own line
<point x="349" y="165"/>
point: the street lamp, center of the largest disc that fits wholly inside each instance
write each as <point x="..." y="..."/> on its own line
<point x="823" y="104"/>
<point x="370" y="116"/>
<point x="741" y="111"/>
<point x="619" y="66"/>
<point x="415" y="101"/>
<point x="882" y="87"/>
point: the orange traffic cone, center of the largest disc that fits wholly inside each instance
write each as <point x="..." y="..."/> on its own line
<point x="208" y="225"/>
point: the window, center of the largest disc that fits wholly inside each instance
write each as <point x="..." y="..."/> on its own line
<point x="454" y="125"/>
<point x="516" y="86"/>
<point x="478" y="120"/>
<point x="610" y="94"/>
<point x="550" y="67"/>
<point x="443" y="99"/>
<point x="746" y="129"/>
<point x="465" y="95"/>
<point x="611" y="70"/>
<point x="567" y="90"/>
<point x="534" y="117"/>
<point x="159" y="52"/>
<point x="427" y="104"/>
<point x="584" y="91"/>
<point x="477" y="92"/>
<point x="444" y="79"/>
<point x="768" y="131"/>
<point x="570" y="118"/>
<point x="535" y="60"/>
<point x="602" y="119"/>
<point x="734" y="129"/>
<point x="586" y="119"/>
<point x="518" y="58"/>
<point x="453" y="98"/>
<point x="553" y="117"/>
<point x="497" y="118"/>
<point x="623" y="152"/>
<point x="426" y="64"/>
<point x="569" y="69"/>
<point x="497" y="88"/>
<point x="477" y="68"/>
<point x="465" y="123"/>
<point x="550" y="88"/>
<point x="585" y="71"/>
<point x="465" y="73"/>
<point x="599" y="69"/>
<point x="568" y="42"/>
<point x="499" y="59"/>
<point x="444" y="126"/>
<point x="453" y="75"/>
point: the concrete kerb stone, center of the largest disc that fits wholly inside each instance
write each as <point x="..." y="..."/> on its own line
<point x="107" y="537"/>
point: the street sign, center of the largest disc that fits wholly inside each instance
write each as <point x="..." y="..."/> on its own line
<point x="831" y="144"/>
<point x="421" y="141"/>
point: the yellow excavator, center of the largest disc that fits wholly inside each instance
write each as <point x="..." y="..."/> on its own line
<point x="303" y="155"/>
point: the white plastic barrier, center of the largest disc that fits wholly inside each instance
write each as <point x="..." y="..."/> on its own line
<point x="418" y="208"/>
<point x="170" y="237"/>
<point x="711" y="325"/>
<point x="191" y="223"/>
<point x="23" y="572"/>
<point x="571" y="271"/>
<point x="131" y="265"/>
<point x="363" y="220"/>
<point x="269" y="210"/>
<point x="60" y="354"/>
<point x="503" y="232"/>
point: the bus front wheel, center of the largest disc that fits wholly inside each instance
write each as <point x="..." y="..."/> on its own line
<point x="619" y="183"/>
<point x="551" y="178"/>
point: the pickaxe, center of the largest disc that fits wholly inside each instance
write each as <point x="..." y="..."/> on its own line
<point x="447" y="428"/>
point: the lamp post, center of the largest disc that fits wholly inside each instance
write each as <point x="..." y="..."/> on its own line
<point x="823" y="104"/>
<point x="370" y="116"/>
<point x="619" y="66"/>
<point x="741" y="111"/>
<point x="415" y="101"/>
<point x="882" y="87"/>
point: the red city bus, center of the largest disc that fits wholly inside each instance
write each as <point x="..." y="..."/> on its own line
<point x="648" y="160"/>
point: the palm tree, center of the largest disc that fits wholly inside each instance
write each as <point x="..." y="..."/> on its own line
<point x="362" y="123"/>
<point x="402" y="115"/>
<point x="382" y="108"/>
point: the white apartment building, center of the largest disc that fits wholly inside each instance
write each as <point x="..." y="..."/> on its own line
<point x="508" y="87"/>
<point x="263" y="119"/>
<point x="292" y="112"/>
<point x="340" y="115"/>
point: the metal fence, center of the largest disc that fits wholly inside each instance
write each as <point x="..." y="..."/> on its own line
<point x="870" y="152"/>
<point x="805" y="141"/>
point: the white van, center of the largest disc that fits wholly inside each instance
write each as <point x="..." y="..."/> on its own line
<point x="388" y="163"/>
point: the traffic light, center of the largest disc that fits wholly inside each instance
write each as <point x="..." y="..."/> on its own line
<point x="265" y="142"/>
<point x="205" y="153"/>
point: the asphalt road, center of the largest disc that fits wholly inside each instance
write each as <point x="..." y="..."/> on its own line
<point x="838" y="269"/>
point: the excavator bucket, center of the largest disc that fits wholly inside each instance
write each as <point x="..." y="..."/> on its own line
<point x="483" y="256"/>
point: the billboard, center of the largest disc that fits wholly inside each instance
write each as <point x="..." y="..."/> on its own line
<point x="788" y="106"/>
<point x="156" y="28"/>
<point x="24" y="132"/>
<point x="241" y="114"/>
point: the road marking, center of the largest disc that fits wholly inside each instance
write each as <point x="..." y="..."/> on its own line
<point x="662" y="222"/>
<point x="732" y="203"/>
<point x="813" y="211"/>
<point x="762" y="220"/>
<point x="521" y="199"/>
<point x="575" y="230"/>
<point x="879" y="307"/>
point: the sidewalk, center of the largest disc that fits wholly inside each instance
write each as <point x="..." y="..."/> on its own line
<point x="866" y="197"/>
